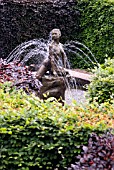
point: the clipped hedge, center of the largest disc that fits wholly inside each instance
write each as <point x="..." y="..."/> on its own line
<point x="97" y="25"/>
<point x="44" y="134"/>
<point x="101" y="88"/>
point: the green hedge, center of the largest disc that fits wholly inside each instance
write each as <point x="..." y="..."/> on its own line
<point x="44" y="134"/>
<point x="96" y="29"/>
<point x="101" y="88"/>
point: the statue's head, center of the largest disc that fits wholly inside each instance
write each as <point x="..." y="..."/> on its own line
<point x="55" y="33"/>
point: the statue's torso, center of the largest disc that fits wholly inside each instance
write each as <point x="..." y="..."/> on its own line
<point x="56" y="50"/>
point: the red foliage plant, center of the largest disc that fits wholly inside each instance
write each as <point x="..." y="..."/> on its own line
<point x="20" y="76"/>
<point x="99" y="154"/>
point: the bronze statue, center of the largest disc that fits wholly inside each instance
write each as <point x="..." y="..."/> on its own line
<point x="57" y="58"/>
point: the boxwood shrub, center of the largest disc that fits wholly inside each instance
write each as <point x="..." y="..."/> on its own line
<point x="101" y="88"/>
<point x="36" y="134"/>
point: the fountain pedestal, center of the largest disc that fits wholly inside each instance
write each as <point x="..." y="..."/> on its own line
<point x="53" y="87"/>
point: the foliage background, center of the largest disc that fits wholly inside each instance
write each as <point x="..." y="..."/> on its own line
<point x="96" y="29"/>
<point x="21" y="21"/>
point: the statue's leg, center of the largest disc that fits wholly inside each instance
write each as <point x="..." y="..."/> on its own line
<point x="43" y="69"/>
<point x="54" y="66"/>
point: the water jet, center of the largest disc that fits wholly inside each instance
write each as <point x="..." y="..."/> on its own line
<point x="35" y="51"/>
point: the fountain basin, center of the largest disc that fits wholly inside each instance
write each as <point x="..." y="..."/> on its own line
<point x="80" y="74"/>
<point x="53" y="87"/>
<point x="56" y="87"/>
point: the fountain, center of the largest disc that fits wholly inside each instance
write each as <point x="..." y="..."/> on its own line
<point x="43" y="56"/>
